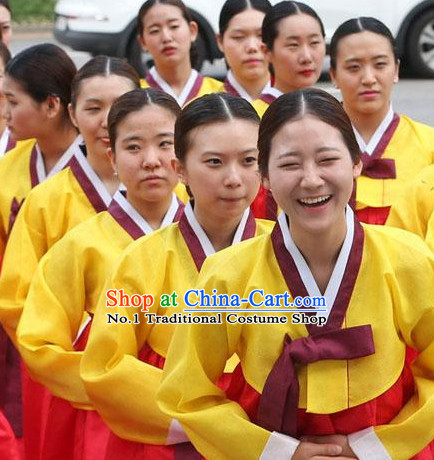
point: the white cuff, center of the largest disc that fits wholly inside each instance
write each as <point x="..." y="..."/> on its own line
<point x="176" y="433"/>
<point x="279" y="446"/>
<point x="367" y="446"/>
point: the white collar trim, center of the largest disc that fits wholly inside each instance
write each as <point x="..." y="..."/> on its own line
<point x="376" y="137"/>
<point x="206" y="244"/>
<point x="182" y="98"/>
<point x="304" y="270"/>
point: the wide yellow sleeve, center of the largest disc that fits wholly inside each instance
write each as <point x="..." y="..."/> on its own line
<point x="416" y="206"/>
<point x="26" y="246"/>
<point x="49" y="211"/>
<point x="430" y="234"/>
<point x="53" y="313"/>
<point x="15" y="183"/>
<point x="412" y="285"/>
<point x="121" y="387"/>
<point x="218" y="427"/>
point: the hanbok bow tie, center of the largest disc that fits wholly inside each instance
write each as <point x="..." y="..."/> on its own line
<point x="378" y="168"/>
<point x="278" y="404"/>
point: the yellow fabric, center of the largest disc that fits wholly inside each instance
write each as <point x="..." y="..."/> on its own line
<point x="209" y="85"/>
<point x="414" y="211"/>
<point x="260" y="106"/>
<point x="157" y="264"/>
<point x="394" y="293"/>
<point x="64" y="290"/>
<point x="49" y="211"/>
<point x="412" y="148"/>
<point x="181" y="192"/>
<point x="15" y="182"/>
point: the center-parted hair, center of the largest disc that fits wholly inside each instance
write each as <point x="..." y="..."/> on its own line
<point x="150" y="3"/>
<point x="194" y="54"/>
<point x="206" y="110"/>
<point x="270" y="25"/>
<point x="43" y="70"/>
<point x="233" y="7"/>
<point x="356" y="26"/>
<point x="296" y="105"/>
<point x="134" y="101"/>
<point x="103" y="66"/>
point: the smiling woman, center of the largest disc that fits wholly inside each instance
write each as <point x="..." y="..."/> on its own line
<point x="301" y="390"/>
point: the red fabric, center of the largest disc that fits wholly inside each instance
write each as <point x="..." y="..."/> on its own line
<point x="8" y="443"/>
<point x="376" y="216"/>
<point x="70" y="433"/>
<point x="35" y="405"/>
<point x="73" y="434"/>
<point x="376" y="412"/>
<point x="264" y="206"/>
<point x="120" y="449"/>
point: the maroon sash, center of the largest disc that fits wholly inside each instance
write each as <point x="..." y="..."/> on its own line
<point x="376" y="167"/>
<point x="278" y="404"/>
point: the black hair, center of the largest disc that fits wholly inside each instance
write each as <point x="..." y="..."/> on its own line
<point x="233" y="7"/>
<point x="294" y="106"/>
<point x="194" y="55"/>
<point x="208" y="109"/>
<point x="103" y="66"/>
<point x="134" y="101"/>
<point x="43" y="70"/>
<point x="355" y="26"/>
<point x="280" y="11"/>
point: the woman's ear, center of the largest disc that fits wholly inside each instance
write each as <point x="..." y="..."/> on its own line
<point x="266" y="182"/>
<point x="357" y="169"/>
<point x="112" y="158"/>
<point x="219" y="39"/>
<point x="194" y="30"/>
<point x="71" y="111"/>
<point x="333" y="77"/>
<point x="53" y="106"/>
<point x="142" y="42"/>
<point x="180" y="170"/>
<point x="396" y="76"/>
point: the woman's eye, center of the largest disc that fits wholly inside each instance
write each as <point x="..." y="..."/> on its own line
<point x="289" y="166"/>
<point x="165" y="144"/>
<point x="213" y="161"/>
<point x="327" y="160"/>
<point x="250" y="160"/>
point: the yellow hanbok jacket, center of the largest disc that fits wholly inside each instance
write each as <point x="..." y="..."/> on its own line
<point x="49" y="211"/>
<point x="414" y="211"/>
<point x="65" y="290"/>
<point x="122" y="387"/>
<point x="197" y="86"/>
<point x="21" y="170"/>
<point x="387" y="285"/>
<point x="412" y="149"/>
